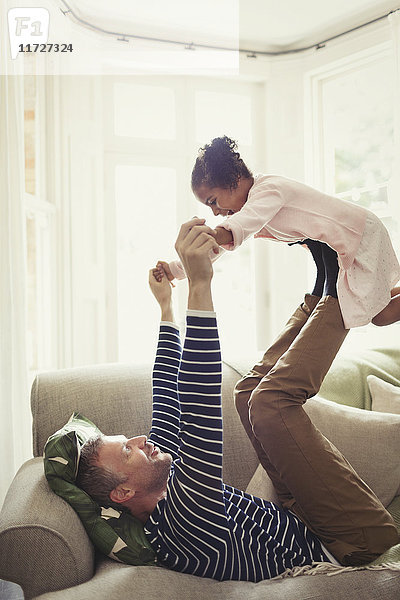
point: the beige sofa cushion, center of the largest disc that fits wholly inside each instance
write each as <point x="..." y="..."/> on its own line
<point x="115" y="582"/>
<point x="369" y="440"/>
<point x="261" y="486"/>
<point x="385" y="396"/>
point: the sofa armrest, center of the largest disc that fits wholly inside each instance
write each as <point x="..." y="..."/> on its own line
<point x="44" y="545"/>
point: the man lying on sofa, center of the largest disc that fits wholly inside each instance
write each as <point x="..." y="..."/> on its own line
<point x="172" y="480"/>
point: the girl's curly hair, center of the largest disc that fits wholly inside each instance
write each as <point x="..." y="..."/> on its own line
<point x="219" y="165"/>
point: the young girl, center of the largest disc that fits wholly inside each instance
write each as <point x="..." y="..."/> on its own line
<point x="281" y="209"/>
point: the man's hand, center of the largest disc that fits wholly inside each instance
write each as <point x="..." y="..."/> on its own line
<point x="194" y="245"/>
<point x="162" y="292"/>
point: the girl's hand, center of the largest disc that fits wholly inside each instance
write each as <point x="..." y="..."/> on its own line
<point x="162" y="269"/>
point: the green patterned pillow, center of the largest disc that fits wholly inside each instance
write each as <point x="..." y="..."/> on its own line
<point x="117" y="534"/>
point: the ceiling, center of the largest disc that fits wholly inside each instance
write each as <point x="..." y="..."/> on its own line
<point x="266" y="24"/>
<point x="258" y="24"/>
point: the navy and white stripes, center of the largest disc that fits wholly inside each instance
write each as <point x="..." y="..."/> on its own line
<point x="203" y="526"/>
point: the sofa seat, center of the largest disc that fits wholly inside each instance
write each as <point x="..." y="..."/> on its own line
<point x="44" y="547"/>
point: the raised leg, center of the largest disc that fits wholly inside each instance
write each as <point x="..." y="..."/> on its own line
<point x="327" y="493"/>
<point x="250" y="381"/>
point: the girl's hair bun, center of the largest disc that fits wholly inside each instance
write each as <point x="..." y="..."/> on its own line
<point x="219" y="165"/>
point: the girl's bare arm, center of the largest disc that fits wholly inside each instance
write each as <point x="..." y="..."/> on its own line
<point x="223" y="236"/>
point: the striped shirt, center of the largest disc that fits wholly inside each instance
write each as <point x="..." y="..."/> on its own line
<point x="203" y="526"/>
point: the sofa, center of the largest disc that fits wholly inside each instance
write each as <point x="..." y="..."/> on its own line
<point x="45" y="549"/>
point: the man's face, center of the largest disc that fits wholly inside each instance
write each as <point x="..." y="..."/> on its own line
<point x="145" y="467"/>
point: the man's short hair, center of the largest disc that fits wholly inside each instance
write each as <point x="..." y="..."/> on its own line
<point x="95" y="480"/>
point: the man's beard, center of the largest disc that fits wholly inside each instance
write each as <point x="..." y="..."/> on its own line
<point x="160" y="473"/>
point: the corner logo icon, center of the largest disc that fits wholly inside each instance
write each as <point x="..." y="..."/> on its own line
<point x="27" y="26"/>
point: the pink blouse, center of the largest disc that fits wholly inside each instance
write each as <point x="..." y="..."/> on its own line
<point x="285" y="210"/>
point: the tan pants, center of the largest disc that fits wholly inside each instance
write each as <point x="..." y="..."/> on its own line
<point x="311" y="477"/>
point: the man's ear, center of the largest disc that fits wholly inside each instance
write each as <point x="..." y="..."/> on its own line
<point x="122" y="493"/>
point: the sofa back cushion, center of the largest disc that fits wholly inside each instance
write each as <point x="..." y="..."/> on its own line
<point x="117" y="397"/>
<point x="346" y="381"/>
<point x="385" y="396"/>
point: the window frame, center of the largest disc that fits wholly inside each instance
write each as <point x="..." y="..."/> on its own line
<point x="313" y="118"/>
<point x="361" y="337"/>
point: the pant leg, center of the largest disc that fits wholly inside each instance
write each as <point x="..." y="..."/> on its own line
<point x="329" y="496"/>
<point x="250" y="381"/>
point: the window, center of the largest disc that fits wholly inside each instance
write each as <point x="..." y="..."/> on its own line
<point x="149" y="157"/>
<point x="357" y="134"/>
<point x="352" y="130"/>
<point x="40" y="318"/>
<point x="146" y="219"/>
<point x="40" y="216"/>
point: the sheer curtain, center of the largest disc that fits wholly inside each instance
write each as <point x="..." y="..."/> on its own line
<point x="394" y="187"/>
<point x="15" y="421"/>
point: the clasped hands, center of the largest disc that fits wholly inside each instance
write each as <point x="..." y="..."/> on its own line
<point x="194" y="245"/>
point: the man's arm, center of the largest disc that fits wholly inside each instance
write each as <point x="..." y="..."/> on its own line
<point x="194" y="245"/>
<point x="195" y="493"/>
<point x="162" y="292"/>
<point x="199" y="470"/>
<point x="166" y="414"/>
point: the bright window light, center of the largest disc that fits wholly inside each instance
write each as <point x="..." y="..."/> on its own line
<point x="358" y="134"/>
<point x="220" y="113"/>
<point x="144" y="111"/>
<point x="146" y="223"/>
